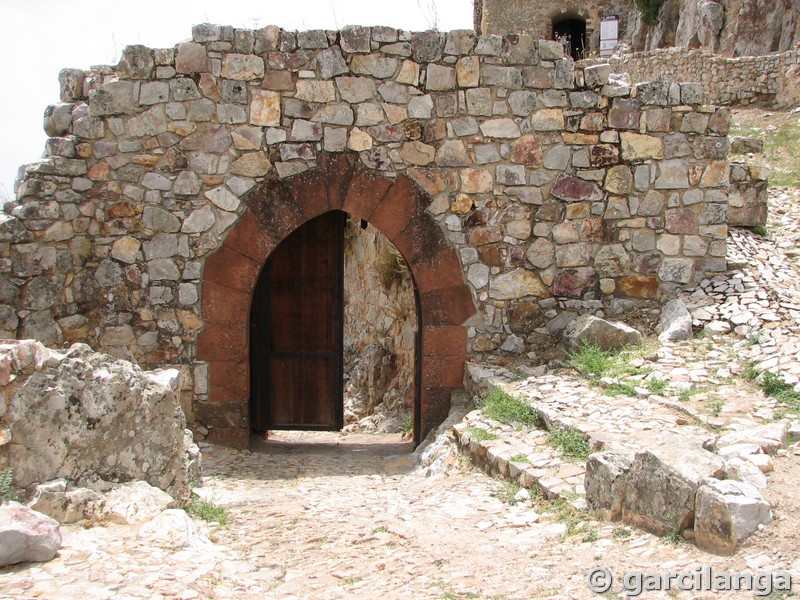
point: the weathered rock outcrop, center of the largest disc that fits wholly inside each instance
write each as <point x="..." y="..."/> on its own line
<point x="379" y="332"/>
<point x="86" y="417"/>
<point x="730" y="27"/>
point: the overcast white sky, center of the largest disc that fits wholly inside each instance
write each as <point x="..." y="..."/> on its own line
<point x="40" y="37"/>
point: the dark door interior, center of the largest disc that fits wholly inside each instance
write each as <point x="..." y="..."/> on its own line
<point x="572" y="35"/>
<point x="296" y="328"/>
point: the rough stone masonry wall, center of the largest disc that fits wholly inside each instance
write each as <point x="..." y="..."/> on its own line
<point x="380" y="326"/>
<point x="744" y="80"/>
<point x="558" y="189"/>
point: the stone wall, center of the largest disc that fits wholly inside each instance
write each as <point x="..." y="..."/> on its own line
<point x="536" y="17"/>
<point x="380" y="329"/>
<point x="516" y="185"/>
<point x="770" y="78"/>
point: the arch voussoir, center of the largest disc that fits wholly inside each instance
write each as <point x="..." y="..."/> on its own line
<point x="276" y="208"/>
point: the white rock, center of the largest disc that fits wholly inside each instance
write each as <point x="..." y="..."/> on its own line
<point x="173" y="528"/>
<point x="135" y="502"/>
<point x="26" y="535"/>
<point x="745" y="471"/>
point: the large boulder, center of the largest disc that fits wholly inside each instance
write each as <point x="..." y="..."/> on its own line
<point x="728" y="512"/>
<point x="26" y="535"/>
<point x="588" y="329"/>
<point x="675" y="323"/>
<point x="84" y="416"/>
<point x="662" y="484"/>
<point x="605" y="482"/>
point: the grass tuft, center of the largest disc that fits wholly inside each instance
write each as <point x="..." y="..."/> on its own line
<point x="591" y="361"/>
<point x="207" y="510"/>
<point x="503" y="407"/>
<point x="507" y="492"/>
<point x="774" y="386"/>
<point x="7" y="485"/>
<point x="656" y="385"/>
<point x="594" y="363"/>
<point x="573" y="445"/>
<point x="620" y="389"/>
<point x="476" y="433"/>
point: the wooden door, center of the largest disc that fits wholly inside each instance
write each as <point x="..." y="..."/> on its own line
<point x="296" y="330"/>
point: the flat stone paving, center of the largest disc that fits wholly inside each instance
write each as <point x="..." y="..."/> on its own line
<point x="330" y="516"/>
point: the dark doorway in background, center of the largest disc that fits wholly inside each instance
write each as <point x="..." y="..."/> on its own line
<point x="572" y="35"/>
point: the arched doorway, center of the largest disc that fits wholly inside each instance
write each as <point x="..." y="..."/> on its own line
<point x="274" y="210"/>
<point x="571" y="32"/>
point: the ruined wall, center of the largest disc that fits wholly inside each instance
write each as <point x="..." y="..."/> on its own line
<point x="557" y="189"/>
<point x="536" y="17"/>
<point x="770" y="78"/>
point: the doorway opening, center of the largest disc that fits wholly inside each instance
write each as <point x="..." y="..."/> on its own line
<point x="571" y="33"/>
<point x="334" y="333"/>
<point x="380" y="334"/>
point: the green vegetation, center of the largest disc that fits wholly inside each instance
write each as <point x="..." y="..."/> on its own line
<point x="782" y="150"/>
<point x="650" y="10"/>
<point x="594" y="363"/>
<point x="476" y="433"/>
<point x="408" y="424"/>
<point x="715" y="406"/>
<point x="656" y="385"/>
<point x="684" y="395"/>
<point x="503" y="407"/>
<point x="507" y="492"/>
<point x="572" y="443"/>
<point x="621" y="532"/>
<point x="207" y="510"/>
<point x="7" y="485"/>
<point x="759" y="230"/>
<point x="750" y="372"/>
<point x="774" y="386"/>
<point x="577" y="522"/>
<point x="673" y="538"/>
<point x="520" y="458"/>
<point x="620" y="389"/>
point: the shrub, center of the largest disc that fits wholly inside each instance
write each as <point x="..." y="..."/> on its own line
<point x="650" y="10"/>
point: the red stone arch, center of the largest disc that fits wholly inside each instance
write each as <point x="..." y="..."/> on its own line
<point x="274" y="210"/>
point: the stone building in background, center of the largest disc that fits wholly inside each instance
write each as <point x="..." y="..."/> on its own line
<point x="576" y="22"/>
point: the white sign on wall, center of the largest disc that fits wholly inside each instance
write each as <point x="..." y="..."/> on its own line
<point x="609" y="34"/>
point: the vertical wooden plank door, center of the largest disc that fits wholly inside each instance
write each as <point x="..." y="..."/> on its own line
<point x="296" y="331"/>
